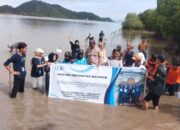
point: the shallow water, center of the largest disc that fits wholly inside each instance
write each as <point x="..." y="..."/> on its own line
<point x="33" y="110"/>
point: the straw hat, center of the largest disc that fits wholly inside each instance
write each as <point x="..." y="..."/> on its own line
<point x="137" y="57"/>
<point x="39" y="50"/>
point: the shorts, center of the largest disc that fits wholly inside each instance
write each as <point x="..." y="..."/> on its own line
<point x="154" y="98"/>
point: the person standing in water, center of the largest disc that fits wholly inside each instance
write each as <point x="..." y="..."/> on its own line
<point x="18" y="70"/>
<point x="101" y="36"/>
<point x="75" y="47"/>
<point x="37" y="72"/>
<point x="157" y="84"/>
<point x="142" y="47"/>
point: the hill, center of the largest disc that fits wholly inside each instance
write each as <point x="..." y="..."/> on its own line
<point x="43" y="9"/>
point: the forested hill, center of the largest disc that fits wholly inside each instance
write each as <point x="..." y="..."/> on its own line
<point x="42" y="9"/>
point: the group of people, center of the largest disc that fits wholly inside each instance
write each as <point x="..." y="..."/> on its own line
<point x="157" y="74"/>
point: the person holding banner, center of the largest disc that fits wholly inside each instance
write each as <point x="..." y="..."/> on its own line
<point x="102" y="54"/>
<point x="66" y="57"/>
<point x="18" y="70"/>
<point x="157" y="84"/>
<point x="37" y="72"/>
<point x="92" y="53"/>
<point x="52" y="58"/>
<point x="72" y="58"/>
<point x="114" y="59"/>
<point x="81" y="60"/>
<point x="139" y="60"/>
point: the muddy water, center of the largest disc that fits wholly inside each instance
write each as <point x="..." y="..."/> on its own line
<point x="33" y="110"/>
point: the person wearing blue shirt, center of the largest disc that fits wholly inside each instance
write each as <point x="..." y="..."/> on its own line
<point x="81" y="60"/>
<point x="18" y="70"/>
<point x="66" y="58"/>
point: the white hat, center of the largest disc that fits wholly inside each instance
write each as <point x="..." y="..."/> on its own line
<point x="39" y="50"/>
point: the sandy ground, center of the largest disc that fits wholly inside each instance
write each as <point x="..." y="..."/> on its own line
<point x="33" y="110"/>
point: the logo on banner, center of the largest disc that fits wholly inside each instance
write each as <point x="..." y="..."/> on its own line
<point x="58" y="68"/>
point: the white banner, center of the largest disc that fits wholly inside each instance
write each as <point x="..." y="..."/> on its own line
<point x="89" y="83"/>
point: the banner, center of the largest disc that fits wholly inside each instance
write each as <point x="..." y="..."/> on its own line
<point x="105" y="85"/>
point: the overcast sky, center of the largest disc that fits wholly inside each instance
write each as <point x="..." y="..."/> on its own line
<point x="115" y="9"/>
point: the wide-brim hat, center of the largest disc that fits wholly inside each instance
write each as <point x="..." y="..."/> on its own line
<point x="39" y="50"/>
<point x="137" y="57"/>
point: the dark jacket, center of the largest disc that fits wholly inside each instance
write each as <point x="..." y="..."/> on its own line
<point x="157" y="86"/>
<point x="18" y="64"/>
<point x="35" y="71"/>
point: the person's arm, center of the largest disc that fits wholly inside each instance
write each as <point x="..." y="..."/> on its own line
<point x="7" y="66"/>
<point x="69" y="38"/>
<point x="42" y="65"/>
<point x="88" y="37"/>
<point x="150" y="77"/>
<point x="35" y="63"/>
<point x="121" y="63"/>
<point x="12" y="71"/>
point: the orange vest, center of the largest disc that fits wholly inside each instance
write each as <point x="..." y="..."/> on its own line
<point x="172" y="76"/>
<point x="178" y="75"/>
<point x="152" y="67"/>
